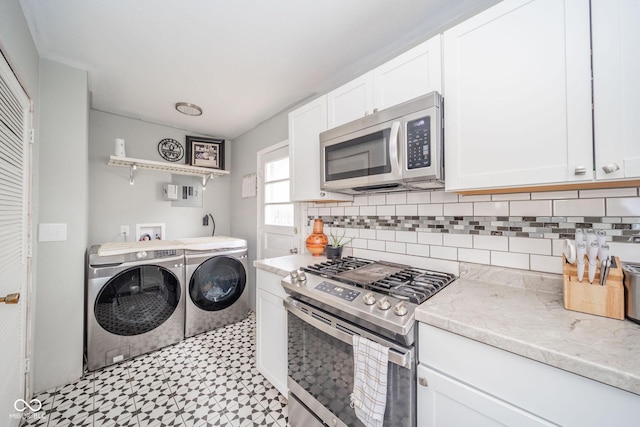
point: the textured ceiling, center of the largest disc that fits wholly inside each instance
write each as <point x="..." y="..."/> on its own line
<point x="242" y="61"/>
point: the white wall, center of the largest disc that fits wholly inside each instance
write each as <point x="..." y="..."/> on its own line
<point x="63" y="198"/>
<point x="244" y="162"/>
<point x="113" y="202"/>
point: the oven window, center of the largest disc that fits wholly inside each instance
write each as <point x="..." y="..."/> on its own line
<point x="323" y="366"/>
<point x="363" y="156"/>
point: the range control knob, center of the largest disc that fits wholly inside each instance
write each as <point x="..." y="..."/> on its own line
<point x="369" y="299"/>
<point x="141" y="255"/>
<point x="400" y="309"/>
<point x="384" y="304"/>
<point x="302" y="277"/>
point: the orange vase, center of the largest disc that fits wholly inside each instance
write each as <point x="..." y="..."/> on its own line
<point x="317" y="240"/>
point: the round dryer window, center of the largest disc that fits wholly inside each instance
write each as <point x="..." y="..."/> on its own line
<point x="137" y="300"/>
<point x="217" y="283"/>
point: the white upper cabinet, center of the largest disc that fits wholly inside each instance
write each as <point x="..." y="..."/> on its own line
<point x="616" y="69"/>
<point x="517" y="91"/>
<point x="414" y="73"/>
<point x="305" y="125"/>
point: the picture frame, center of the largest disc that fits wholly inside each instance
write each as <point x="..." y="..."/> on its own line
<point x="205" y="152"/>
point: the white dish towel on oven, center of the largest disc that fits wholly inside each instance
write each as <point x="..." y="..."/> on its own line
<point x="369" y="397"/>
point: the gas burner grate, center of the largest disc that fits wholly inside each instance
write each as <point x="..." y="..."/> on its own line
<point x="331" y="268"/>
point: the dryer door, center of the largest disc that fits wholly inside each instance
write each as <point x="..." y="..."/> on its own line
<point x="217" y="283"/>
<point x="137" y="300"/>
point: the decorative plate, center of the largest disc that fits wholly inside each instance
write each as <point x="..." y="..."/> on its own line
<point x="170" y="150"/>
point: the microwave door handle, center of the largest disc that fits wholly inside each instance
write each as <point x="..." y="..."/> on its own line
<point x="394" y="147"/>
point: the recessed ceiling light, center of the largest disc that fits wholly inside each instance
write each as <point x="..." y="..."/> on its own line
<point x="188" y="109"/>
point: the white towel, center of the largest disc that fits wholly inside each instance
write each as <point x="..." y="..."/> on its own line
<point x="369" y="397"/>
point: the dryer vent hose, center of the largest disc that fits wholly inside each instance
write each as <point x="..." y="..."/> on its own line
<point x="213" y="232"/>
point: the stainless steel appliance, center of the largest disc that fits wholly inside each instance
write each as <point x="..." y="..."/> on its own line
<point x="216" y="278"/>
<point x="396" y="149"/>
<point x="632" y="290"/>
<point x="134" y="300"/>
<point x="331" y="301"/>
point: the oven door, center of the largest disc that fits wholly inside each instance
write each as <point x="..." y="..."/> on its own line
<point x="364" y="158"/>
<point x="321" y="371"/>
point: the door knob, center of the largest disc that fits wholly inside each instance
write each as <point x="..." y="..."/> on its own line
<point x="10" y="299"/>
<point x="293" y="251"/>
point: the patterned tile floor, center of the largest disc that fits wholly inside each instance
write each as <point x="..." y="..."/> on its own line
<point x="207" y="380"/>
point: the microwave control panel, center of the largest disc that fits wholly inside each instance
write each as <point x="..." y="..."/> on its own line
<point x="419" y="143"/>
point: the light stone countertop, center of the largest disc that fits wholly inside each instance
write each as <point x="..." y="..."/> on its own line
<point x="284" y="265"/>
<point x="529" y="319"/>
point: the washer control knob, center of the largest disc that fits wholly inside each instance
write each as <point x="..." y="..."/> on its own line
<point x="141" y="255"/>
<point x="369" y="299"/>
<point x="400" y="309"/>
<point x="384" y="304"/>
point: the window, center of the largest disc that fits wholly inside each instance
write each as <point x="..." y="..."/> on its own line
<point x="278" y="210"/>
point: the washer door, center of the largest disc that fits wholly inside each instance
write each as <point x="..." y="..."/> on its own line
<point x="137" y="300"/>
<point x="217" y="283"/>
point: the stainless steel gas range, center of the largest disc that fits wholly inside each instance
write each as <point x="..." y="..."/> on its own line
<point x="328" y="304"/>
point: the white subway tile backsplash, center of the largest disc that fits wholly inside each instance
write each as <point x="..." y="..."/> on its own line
<point x="419" y="197"/>
<point x="579" y="207"/>
<point x="530" y="245"/>
<point x="491" y="209"/>
<point x="546" y="195"/>
<point x="496" y="243"/>
<point x="443" y="197"/>
<point x="458" y="209"/>
<point x="548" y="264"/>
<point x="396" y="198"/>
<point x="510" y="260"/>
<point x="625" y="206"/>
<point x="377" y="199"/>
<point x="430" y="238"/>
<point x="388" y="210"/>
<point x="367" y="233"/>
<point x="359" y="243"/>
<point x="511" y="196"/>
<point x="360" y="200"/>
<point x="419" y="250"/>
<point x="625" y="251"/>
<point x="475" y="198"/>
<point x="324" y="211"/>
<point x="444" y="252"/>
<point x="396" y="247"/>
<point x="337" y="211"/>
<point x="458" y="240"/>
<point x="386" y="235"/>
<point x="609" y="192"/>
<point x="434" y="209"/>
<point x="557" y="246"/>
<point x="407" y="210"/>
<point x="367" y="211"/>
<point x="406" y="236"/>
<point x="530" y="208"/>
<point x="376" y="245"/>
<point x="352" y="211"/>
<point x="312" y="212"/>
<point x="477" y="256"/>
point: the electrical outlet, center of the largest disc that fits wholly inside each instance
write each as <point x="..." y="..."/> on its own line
<point x="124" y="230"/>
<point x="205" y="221"/>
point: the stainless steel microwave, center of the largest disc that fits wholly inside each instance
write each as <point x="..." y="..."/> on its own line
<point x="397" y="149"/>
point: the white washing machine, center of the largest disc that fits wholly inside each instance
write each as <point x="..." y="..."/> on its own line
<point x="216" y="281"/>
<point x="134" y="300"/>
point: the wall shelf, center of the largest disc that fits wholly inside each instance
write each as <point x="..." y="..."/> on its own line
<point x="136" y="164"/>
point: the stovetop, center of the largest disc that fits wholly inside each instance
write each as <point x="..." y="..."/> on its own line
<point x="401" y="281"/>
<point x="377" y="295"/>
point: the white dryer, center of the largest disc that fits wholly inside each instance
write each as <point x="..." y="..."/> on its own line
<point x="134" y="300"/>
<point x="216" y="282"/>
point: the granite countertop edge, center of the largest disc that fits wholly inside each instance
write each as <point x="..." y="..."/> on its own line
<point x="562" y="348"/>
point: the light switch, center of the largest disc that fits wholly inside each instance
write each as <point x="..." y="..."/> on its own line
<point x="52" y="232"/>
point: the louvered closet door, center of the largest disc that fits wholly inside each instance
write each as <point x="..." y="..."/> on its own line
<point x="14" y="208"/>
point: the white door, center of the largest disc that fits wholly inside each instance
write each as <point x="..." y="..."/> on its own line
<point x="15" y="157"/>
<point x="277" y="214"/>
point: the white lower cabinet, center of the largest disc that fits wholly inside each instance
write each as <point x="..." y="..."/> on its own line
<point x="443" y="401"/>
<point x="271" y="330"/>
<point x="463" y="382"/>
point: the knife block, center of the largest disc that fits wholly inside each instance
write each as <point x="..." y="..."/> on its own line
<point x="603" y="300"/>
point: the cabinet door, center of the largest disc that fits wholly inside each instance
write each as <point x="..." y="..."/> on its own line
<point x="271" y="331"/>
<point x="414" y="73"/>
<point x="443" y="401"/>
<point x="305" y="125"/>
<point x="350" y="101"/>
<point x="616" y="69"/>
<point x="517" y="90"/>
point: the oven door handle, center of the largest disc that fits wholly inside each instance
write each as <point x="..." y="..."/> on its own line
<point x="396" y="357"/>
